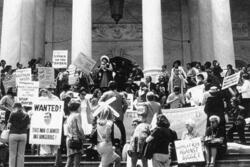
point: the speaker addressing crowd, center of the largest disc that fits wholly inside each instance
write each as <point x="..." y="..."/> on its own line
<point x="95" y="105"/>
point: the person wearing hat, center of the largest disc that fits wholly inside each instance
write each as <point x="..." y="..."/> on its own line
<point x="214" y="105"/>
<point x="105" y="72"/>
<point x="215" y="141"/>
<point x="191" y="132"/>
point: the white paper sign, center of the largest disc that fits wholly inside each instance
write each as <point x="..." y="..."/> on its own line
<point x="23" y="75"/>
<point x="130" y="99"/>
<point x="27" y="92"/>
<point x="189" y="151"/>
<point x="60" y="59"/>
<point x="46" y="77"/>
<point x="46" y="122"/>
<point x="230" y="81"/>
<point x="84" y="63"/>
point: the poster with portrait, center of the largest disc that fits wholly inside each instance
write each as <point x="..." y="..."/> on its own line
<point x="46" y="77"/>
<point x="27" y="92"/>
<point x="46" y="122"/>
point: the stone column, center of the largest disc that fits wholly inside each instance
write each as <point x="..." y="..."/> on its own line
<point x="152" y="37"/>
<point x="81" y="28"/>
<point x="18" y="31"/>
<point x="216" y="36"/>
<point x="39" y="36"/>
<point x="194" y="30"/>
<point x="222" y="32"/>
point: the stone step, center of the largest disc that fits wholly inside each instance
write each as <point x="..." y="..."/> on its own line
<point x="220" y="163"/>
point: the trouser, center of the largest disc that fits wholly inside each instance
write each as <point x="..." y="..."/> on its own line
<point x="17" y="143"/>
<point x="73" y="160"/>
<point x="161" y="160"/>
<point x="120" y="125"/>
<point x="237" y="128"/>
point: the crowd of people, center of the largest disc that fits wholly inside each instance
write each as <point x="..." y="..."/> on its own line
<point x="107" y="81"/>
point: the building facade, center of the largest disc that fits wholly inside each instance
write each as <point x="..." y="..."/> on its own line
<point x="151" y="32"/>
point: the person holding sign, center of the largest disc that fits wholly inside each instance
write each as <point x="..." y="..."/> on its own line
<point x="75" y="131"/>
<point x="104" y="146"/>
<point x="18" y="124"/>
<point x="215" y="141"/>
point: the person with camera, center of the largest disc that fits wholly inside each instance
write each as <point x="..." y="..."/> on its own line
<point x="75" y="134"/>
<point x="215" y="141"/>
<point x="105" y="72"/>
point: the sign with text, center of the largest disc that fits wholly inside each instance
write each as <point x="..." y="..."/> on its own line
<point x="23" y="75"/>
<point x="46" y="77"/>
<point x="130" y="100"/>
<point x="27" y="92"/>
<point x="84" y="63"/>
<point x="230" y="80"/>
<point x="189" y="151"/>
<point x="46" y="122"/>
<point x="9" y="82"/>
<point x="60" y="59"/>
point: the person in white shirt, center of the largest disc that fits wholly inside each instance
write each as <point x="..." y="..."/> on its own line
<point x="176" y="99"/>
<point x="245" y="93"/>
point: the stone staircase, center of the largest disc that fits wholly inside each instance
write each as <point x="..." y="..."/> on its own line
<point x="230" y="160"/>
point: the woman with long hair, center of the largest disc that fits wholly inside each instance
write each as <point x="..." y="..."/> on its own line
<point x="161" y="137"/>
<point x="104" y="143"/>
<point x="74" y="131"/>
<point x="18" y="124"/>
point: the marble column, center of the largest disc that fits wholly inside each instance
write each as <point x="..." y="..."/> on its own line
<point x="39" y="36"/>
<point x="194" y="30"/>
<point x="152" y="37"/>
<point x="18" y="31"/>
<point x="216" y="37"/>
<point x="222" y="32"/>
<point x="81" y="28"/>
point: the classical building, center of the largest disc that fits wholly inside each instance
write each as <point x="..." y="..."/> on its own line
<point x="151" y="32"/>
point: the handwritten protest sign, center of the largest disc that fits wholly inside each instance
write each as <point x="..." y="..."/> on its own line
<point x="84" y="63"/>
<point x="46" y="77"/>
<point x="60" y="59"/>
<point x="188" y="151"/>
<point x="46" y="122"/>
<point x="23" y="75"/>
<point x="9" y="82"/>
<point x="130" y="99"/>
<point x="230" y="81"/>
<point x="27" y="92"/>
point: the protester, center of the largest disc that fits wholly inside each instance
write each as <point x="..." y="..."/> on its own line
<point x="151" y="86"/>
<point x="176" y="99"/>
<point x="176" y="80"/>
<point x="161" y="138"/>
<point x="104" y="146"/>
<point x="151" y="109"/>
<point x="215" y="141"/>
<point x="74" y="131"/>
<point x="238" y="113"/>
<point x="191" y="132"/>
<point x="18" y="124"/>
<point x="105" y="72"/>
<point x="119" y="105"/>
<point x="7" y="103"/>
<point x="245" y="92"/>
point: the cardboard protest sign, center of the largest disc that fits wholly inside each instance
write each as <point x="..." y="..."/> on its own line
<point x="189" y="151"/>
<point x="46" y="77"/>
<point x="130" y="99"/>
<point x="27" y="92"/>
<point x="60" y="59"/>
<point x="9" y="82"/>
<point x="23" y="75"/>
<point x="195" y="94"/>
<point x="46" y="122"/>
<point x="230" y="81"/>
<point x="84" y="63"/>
